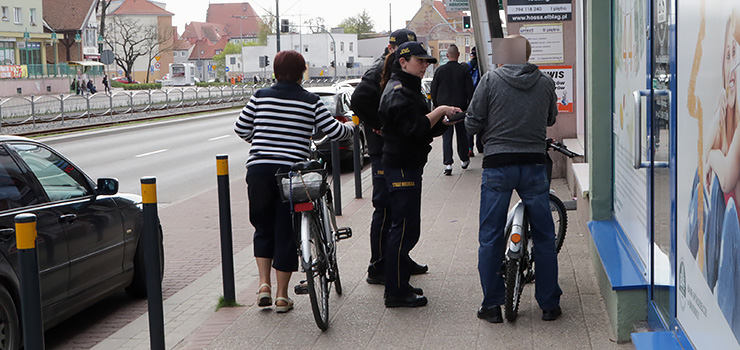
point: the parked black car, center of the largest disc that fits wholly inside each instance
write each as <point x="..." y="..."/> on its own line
<point x="337" y="101"/>
<point x="87" y="235"/>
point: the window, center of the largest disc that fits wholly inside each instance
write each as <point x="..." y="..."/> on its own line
<point x="7" y="53"/>
<point x="467" y="41"/>
<point x="5" y="13"/>
<point x="331" y="47"/>
<point x="60" y="179"/>
<point x="350" y="46"/>
<point x="18" y="15"/>
<point x="233" y="60"/>
<point x="305" y="48"/>
<point x="32" y="16"/>
<point x="15" y="191"/>
<point x="341" y="46"/>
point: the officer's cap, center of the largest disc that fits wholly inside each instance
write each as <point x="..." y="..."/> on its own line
<point x="414" y="49"/>
<point x="401" y="36"/>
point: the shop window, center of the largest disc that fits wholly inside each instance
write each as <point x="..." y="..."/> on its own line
<point x="7" y="53"/>
<point x="18" y="15"/>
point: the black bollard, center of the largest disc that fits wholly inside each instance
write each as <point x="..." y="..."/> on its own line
<point x="356" y="155"/>
<point x="224" y="217"/>
<point x="336" y="178"/>
<point x="150" y="239"/>
<point x="28" y="258"/>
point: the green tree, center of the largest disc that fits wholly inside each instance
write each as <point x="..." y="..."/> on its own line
<point x="229" y="49"/>
<point x="361" y="24"/>
<point x="267" y="27"/>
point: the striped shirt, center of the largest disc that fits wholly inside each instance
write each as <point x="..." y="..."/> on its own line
<point x="278" y="121"/>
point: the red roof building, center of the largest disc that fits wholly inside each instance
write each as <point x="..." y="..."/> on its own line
<point x="196" y="31"/>
<point x="140" y="7"/>
<point x="240" y="19"/>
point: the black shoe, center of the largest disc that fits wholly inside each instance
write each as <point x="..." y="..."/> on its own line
<point x="552" y="314"/>
<point x="491" y="314"/>
<point x="375" y="279"/>
<point x="405" y="300"/>
<point x="417" y="291"/>
<point x="417" y="269"/>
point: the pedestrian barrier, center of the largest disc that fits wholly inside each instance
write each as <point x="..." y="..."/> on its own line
<point x="335" y="174"/>
<point x="224" y="216"/>
<point x="150" y="239"/>
<point x="28" y="259"/>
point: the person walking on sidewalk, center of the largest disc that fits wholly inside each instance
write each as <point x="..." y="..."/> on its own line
<point x="512" y="108"/>
<point x="365" y="102"/>
<point x="278" y="121"/>
<point x="106" y="85"/>
<point x="408" y="128"/>
<point x="453" y="86"/>
<point x="474" y="71"/>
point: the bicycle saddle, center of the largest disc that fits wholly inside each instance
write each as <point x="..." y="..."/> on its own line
<point x="307" y="165"/>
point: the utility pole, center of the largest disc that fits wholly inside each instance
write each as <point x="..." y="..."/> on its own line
<point x="390" y="17"/>
<point x="277" y="24"/>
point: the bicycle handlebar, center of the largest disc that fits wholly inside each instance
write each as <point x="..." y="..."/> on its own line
<point x="552" y="144"/>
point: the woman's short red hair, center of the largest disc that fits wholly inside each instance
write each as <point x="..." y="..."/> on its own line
<point x="289" y="66"/>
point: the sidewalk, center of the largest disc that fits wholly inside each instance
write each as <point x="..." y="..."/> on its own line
<point x="358" y="318"/>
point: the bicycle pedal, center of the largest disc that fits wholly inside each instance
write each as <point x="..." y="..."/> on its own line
<point x="301" y="288"/>
<point x="343" y="233"/>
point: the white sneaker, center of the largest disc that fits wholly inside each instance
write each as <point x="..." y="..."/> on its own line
<point x="448" y="169"/>
<point x="465" y="164"/>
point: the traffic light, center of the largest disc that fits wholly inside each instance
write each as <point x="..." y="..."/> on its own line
<point x="262" y="61"/>
<point x="284" y="26"/>
<point x="332" y="64"/>
<point x="466" y="22"/>
<point x="267" y="61"/>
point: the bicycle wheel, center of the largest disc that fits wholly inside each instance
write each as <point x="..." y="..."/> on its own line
<point x="315" y="265"/>
<point x="334" y="264"/>
<point x="560" y="219"/>
<point x="335" y="274"/>
<point x="514" y="285"/>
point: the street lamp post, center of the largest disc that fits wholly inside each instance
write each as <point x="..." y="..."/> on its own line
<point x="78" y="40"/>
<point x="26" y="36"/>
<point x="56" y="56"/>
<point x="334" y="47"/>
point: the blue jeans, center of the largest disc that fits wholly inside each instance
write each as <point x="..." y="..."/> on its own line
<point x="530" y="182"/>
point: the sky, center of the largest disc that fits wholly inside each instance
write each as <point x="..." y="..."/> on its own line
<point x="333" y="11"/>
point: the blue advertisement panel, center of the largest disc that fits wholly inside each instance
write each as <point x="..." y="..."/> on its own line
<point x="708" y="191"/>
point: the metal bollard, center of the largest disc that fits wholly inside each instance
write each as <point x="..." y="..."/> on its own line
<point x="224" y="216"/>
<point x="150" y="240"/>
<point x="33" y="326"/>
<point x="356" y="157"/>
<point x="336" y="178"/>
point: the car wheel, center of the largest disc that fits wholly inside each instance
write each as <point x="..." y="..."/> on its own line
<point x="137" y="288"/>
<point x="10" y="335"/>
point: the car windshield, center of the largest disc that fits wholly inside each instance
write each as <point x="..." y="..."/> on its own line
<point x="330" y="102"/>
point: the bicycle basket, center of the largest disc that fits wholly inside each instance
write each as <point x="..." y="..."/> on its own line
<point x="301" y="187"/>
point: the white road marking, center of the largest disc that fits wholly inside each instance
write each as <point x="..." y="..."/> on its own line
<point x="150" y="153"/>
<point x="218" y="137"/>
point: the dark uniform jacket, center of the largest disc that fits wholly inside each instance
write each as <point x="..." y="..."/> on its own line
<point x="452" y="85"/>
<point x="365" y="102"/>
<point x="407" y="132"/>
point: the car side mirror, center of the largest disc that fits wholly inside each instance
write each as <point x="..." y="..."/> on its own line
<point x="107" y="186"/>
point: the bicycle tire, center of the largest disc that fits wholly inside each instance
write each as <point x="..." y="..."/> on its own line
<point x="560" y="219"/>
<point x="514" y="285"/>
<point x="334" y="263"/>
<point x="316" y="274"/>
<point x="337" y="280"/>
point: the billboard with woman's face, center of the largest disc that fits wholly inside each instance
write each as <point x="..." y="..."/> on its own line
<point x="708" y="187"/>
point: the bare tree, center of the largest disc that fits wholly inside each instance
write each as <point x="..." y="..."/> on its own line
<point x="158" y="41"/>
<point x="104" y="4"/>
<point x="128" y="39"/>
<point x="266" y="27"/>
<point x="315" y="24"/>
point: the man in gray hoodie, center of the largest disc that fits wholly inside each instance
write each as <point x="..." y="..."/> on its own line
<point x="511" y="109"/>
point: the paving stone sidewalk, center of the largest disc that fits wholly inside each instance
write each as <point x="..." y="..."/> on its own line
<point x="358" y="318"/>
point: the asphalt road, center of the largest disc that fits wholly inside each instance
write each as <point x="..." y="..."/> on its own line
<point x="180" y="153"/>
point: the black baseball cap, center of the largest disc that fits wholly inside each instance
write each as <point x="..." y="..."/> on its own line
<point x="401" y="36"/>
<point x="414" y="49"/>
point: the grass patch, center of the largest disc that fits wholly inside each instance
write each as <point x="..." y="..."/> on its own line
<point x="222" y="303"/>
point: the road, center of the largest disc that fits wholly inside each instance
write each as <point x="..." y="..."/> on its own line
<point x="181" y="154"/>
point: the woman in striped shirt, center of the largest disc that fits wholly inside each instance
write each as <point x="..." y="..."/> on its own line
<point x="278" y="121"/>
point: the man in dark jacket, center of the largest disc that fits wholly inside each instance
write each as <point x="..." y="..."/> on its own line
<point x="365" y="101"/>
<point x="453" y="86"/>
<point x="511" y="109"/>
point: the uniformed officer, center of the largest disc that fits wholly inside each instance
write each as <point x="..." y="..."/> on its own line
<point x="408" y="128"/>
<point x="365" y="102"/>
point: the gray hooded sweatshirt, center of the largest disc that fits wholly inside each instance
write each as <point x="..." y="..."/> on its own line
<point x="511" y="109"/>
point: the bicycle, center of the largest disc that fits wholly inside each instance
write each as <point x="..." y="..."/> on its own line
<point x="518" y="266"/>
<point x="306" y="187"/>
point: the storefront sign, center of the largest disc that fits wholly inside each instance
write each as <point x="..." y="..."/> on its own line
<point x="7" y="72"/>
<point x="539" y="10"/>
<point x="563" y="77"/>
<point x="546" y="41"/>
<point x="708" y="187"/>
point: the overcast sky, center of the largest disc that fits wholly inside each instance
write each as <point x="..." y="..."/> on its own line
<point x="333" y="11"/>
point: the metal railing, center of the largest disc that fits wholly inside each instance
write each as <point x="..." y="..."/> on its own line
<point x="32" y="110"/>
